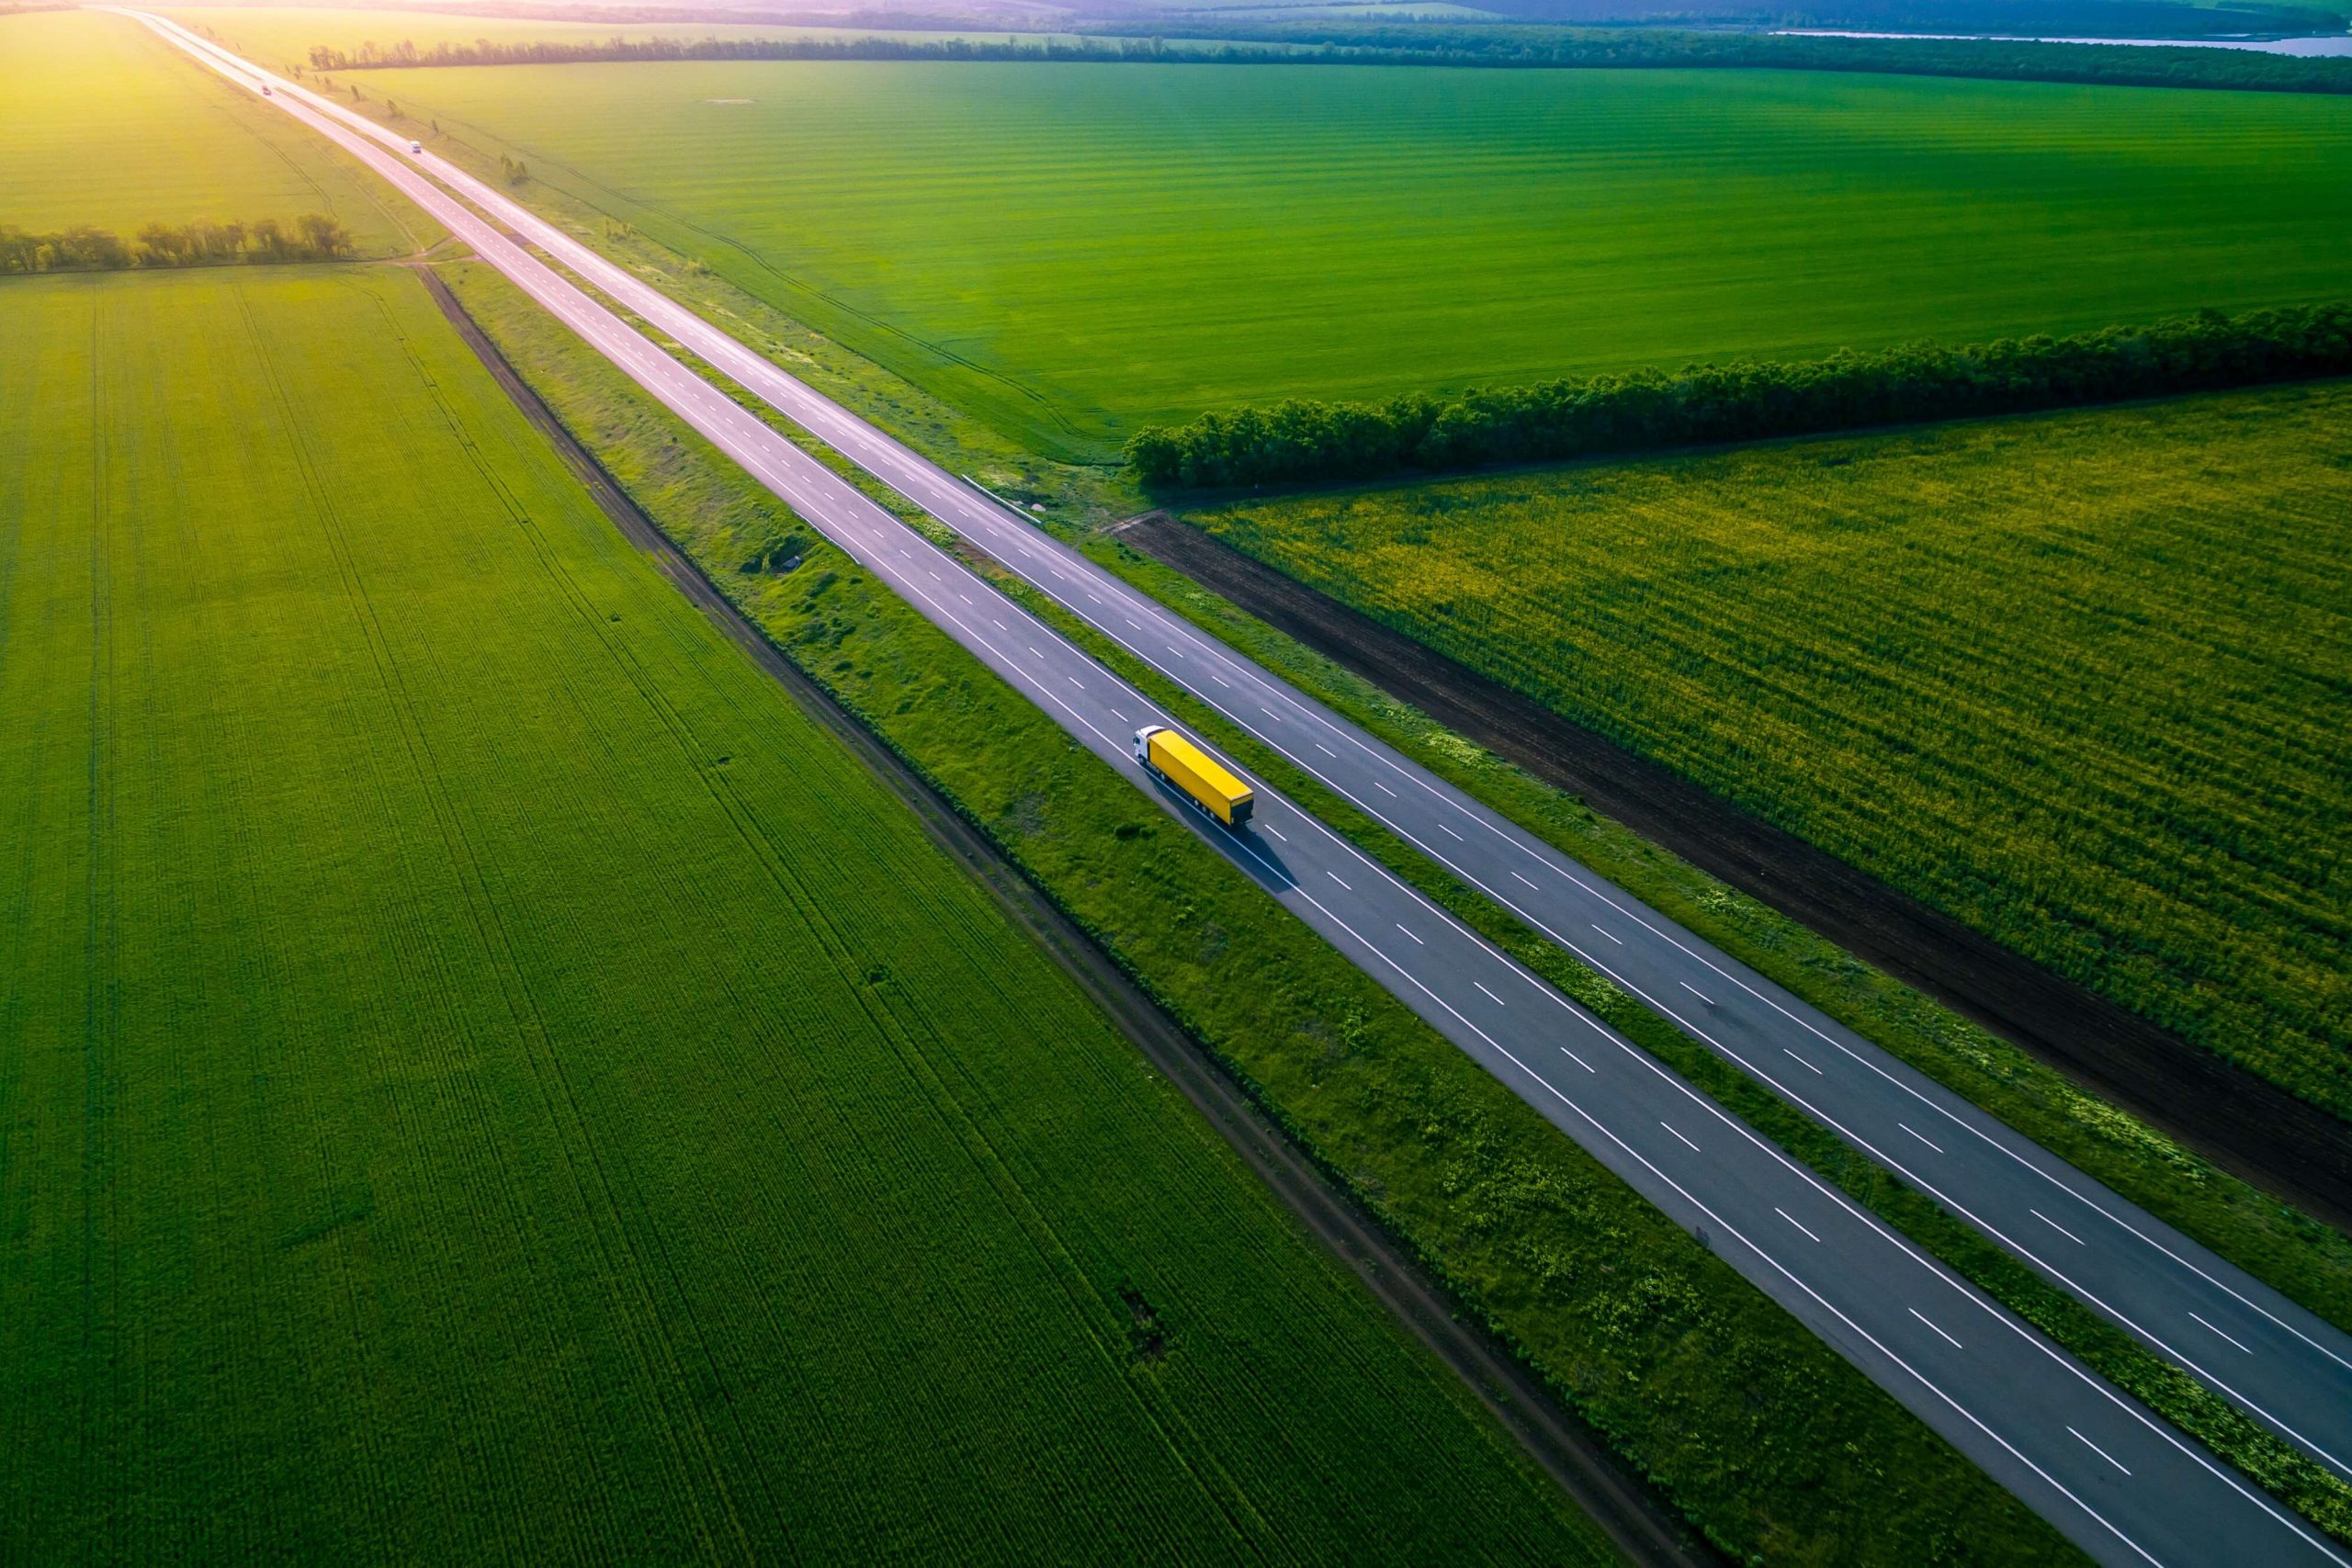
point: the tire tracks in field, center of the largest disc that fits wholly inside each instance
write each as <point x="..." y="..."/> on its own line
<point x="603" y="1159"/>
<point x="379" y="1507"/>
<point x="99" y="998"/>
<point x="622" y="658"/>
<point x="621" y="655"/>
<point x="431" y="1020"/>
<point x="643" y="1327"/>
<point x="761" y="850"/>
<point x="232" y="796"/>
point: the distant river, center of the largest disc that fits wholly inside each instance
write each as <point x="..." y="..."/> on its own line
<point x="2337" y="44"/>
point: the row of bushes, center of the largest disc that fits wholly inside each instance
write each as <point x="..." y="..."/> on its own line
<point x="482" y="51"/>
<point x="1951" y="18"/>
<point x="314" y="236"/>
<point x="1503" y="47"/>
<point x="1301" y="441"/>
<point x="1993" y="59"/>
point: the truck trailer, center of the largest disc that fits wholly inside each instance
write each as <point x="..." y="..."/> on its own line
<point x="1208" y="782"/>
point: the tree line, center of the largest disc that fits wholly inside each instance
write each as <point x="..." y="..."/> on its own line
<point x="314" y="236"/>
<point x="2020" y="60"/>
<point x="1522" y="47"/>
<point x="1298" y="441"/>
<point x="483" y="51"/>
<point x="1962" y="19"/>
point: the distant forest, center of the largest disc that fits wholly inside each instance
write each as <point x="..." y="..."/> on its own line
<point x="2020" y="18"/>
<point x="2024" y="18"/>
<point x="1422" y="44"/>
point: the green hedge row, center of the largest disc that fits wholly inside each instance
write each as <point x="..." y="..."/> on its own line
<point x="314" y="236"/>
<point x="1996" y="59"/>
<point x="1500" y="47"/>
<point x="1298" y="441"/>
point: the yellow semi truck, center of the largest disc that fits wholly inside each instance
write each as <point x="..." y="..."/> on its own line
<point x="1194" y="772"/>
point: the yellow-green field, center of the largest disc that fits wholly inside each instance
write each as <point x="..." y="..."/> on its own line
<point x="2077" y="679"/>
<point x="483" y="1076"/>
<point x="103" y="123"/>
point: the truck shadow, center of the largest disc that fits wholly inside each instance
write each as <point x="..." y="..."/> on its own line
<point x="1254" y="852"/>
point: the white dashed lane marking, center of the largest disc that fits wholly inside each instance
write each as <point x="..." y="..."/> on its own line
<point x="1948" y="1339"/>
<point x="2054" y="1225"/>
<point x="2247" y="1349"/>
<point x="2097" y="1450"/>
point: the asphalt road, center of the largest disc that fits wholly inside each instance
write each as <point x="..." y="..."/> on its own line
<point x="2123" y="1484"/>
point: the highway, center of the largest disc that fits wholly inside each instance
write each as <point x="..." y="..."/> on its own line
<point x="2119" y="1481"/>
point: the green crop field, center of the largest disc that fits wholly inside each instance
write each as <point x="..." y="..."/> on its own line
<point x="1071" y="250"/>
<point x="2077" y="679"/>
<point x="103" y="123"/>
<point x="483" y="1076"/>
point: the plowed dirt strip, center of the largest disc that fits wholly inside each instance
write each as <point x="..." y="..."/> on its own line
<point x="483" y="1077"/>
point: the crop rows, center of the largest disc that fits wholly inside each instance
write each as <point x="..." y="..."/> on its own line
<point x="484" y="1077"/>
<point x="2076" y="679"/>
